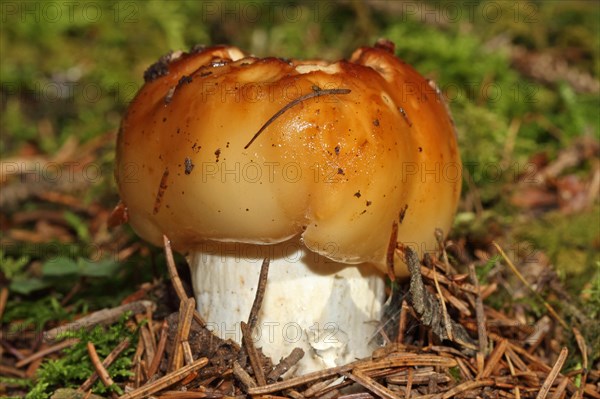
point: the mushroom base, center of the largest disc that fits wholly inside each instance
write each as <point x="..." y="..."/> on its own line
<point x="330" y="310"/>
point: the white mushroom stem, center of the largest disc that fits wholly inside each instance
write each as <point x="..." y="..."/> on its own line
<point x="330" y="310"/>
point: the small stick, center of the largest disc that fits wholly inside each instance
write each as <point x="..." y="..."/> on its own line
<point x="404" y="310"/>
<point x="137" y="379"/>
<point x="186" y="309"/>
<point x="532" y="358"/>
<point x="459" y="304"/>
<point x="285" y="364"/>
<point x="465" y="387"/>
<point x="243" y="376"/>
<point x="494" y="358"/>
<point x="160" y="349"/>
<point x="445" y="315"/>
<point x="45" y="352"/>
<point x="112" y="356"/>
<point x="558" y="393"/>
<point x="7" y="370"/>
<point x="545" y="388"/>
<point x="408" y="360"/>
<point x="479" y="312"/>
<point x="33" y="367"/>
<point x="147" y="339"/>
<point x="176" y="280"/>
<point x="409" y="382"/>
<point x="260" y="294"/>
<point x="319" y="387"/>
<point x="293" y="394"/>
<point x="317" y="92"/>
<point x="150" y="326"/>
<point x="464" y="369"/>
<point x="583" y="349"/>
<point x="103" y="316"/>
<point x="512" y="373"/>
<point x="439" y="236"/>
<point x="428" y="274"/>
<point x="11" y="349"/>
<point x="100" y="370"/>
<point x="188" y="357"/>
<point x="165" y="381"/>
<point x="367" y="382"/>
<point x="253" y="355"/>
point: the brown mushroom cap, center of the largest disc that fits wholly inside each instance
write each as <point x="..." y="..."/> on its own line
<point x="363" y="143"/>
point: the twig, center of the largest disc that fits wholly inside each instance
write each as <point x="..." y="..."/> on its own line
<point x="541" y="328"/>
<point x="583" y="349"/>
<point x="512" y="373"/>
<point x="494" y="358"/>
<point x="404" y="310"/>
<point x="33" y="367"/>
<point x="479" y="312"/>
<point x="11" y="349"/>
<point x="560" y="389"/>
<point x="285" y="364"/>
<point x="408" y="359"/>
<point x="147" y="339"/>
<point x="141" y="373"/>
<point x="252" y="319"/>
<point x="545" y="388"/>
<point x="428" y="274"/>
<point x="464" y="387"/>
<point x="370" y="384"/>
<point x="100" y="370"/>
<point x="359" y="395"/>
<point x="112" y="356"/>
<point x="45" y="352"/>
<point x="165" y="381"/>
<point x="7" y="370"/>
<point x="409" y="382"/>
<point x="176" y="280"/>
<point x="160" y="349"/>
<point x="317" y="92"/>
<point x="252" y="354"/>
<point x="320" y="387"/>
<point x="260" y="294"/>
<point x="439" y="237"/>
<point x="243" y="376"/>
<point x="442" y="301"/>
<point x="186" y="309"/>
<point x="188" y="357"/>
<point x="104" y="316"/>
<point x="514" y="269"/>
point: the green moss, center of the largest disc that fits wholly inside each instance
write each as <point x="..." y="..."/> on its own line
<point x="74" y="367"/>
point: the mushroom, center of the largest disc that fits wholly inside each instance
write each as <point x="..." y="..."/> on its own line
<point x="307" y="163"/>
